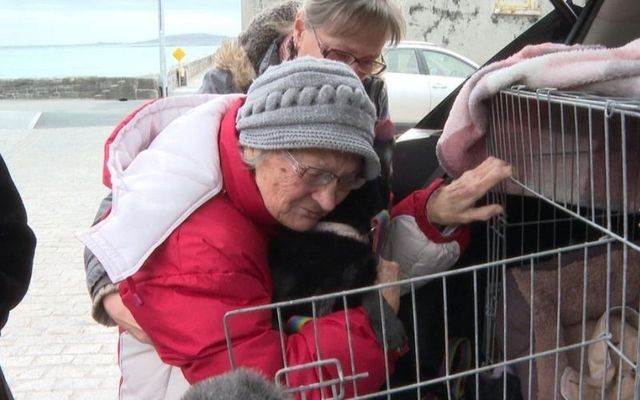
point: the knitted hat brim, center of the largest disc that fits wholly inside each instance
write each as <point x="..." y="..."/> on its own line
<point x="310" y="103"/>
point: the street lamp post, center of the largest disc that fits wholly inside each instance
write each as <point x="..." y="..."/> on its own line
<point x="163" y="62"/>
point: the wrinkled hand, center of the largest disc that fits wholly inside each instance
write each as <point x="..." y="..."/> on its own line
<point x="122" y="316"/>
<point x="455" y="203"/>
<point x="389" y="271"/>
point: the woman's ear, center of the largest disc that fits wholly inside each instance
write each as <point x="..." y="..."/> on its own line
<point x="248" y="152"/>
<point x="298" y="27"/>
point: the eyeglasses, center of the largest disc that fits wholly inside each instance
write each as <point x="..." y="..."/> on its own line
<point x="317" y="177"/>
<point x="369" y="67"/>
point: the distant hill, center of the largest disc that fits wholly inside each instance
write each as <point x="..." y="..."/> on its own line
<point x="187" y="39"/>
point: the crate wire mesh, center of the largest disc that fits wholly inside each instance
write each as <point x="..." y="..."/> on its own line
<point x="575" y="161"/>
<point x="564" y="254"/>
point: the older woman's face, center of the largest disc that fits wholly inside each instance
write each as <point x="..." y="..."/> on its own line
<point x="365" y="44"/>
<point x="290" y="199"/>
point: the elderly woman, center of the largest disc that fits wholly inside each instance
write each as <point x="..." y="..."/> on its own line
<point x="349" y="31"/>
<point x="288" y="154"/>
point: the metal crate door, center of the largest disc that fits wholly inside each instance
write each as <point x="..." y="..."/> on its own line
<point x="569" y="243"/>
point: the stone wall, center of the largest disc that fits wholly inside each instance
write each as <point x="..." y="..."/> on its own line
<point x="132" y="88"/>
<point x="468" y="27"/>
<point x="249" y="8"/>
<point x="79" y="88"/>
<point x="191" y="70"/>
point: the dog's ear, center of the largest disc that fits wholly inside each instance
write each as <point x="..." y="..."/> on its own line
<point x="361" y="205"/>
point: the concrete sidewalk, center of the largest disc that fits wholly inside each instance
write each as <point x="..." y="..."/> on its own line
<point x="42" y="114"/>
<point x="51" y="348"/>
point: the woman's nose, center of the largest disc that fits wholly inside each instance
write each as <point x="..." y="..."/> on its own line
<point x="326" y="196"/>
<point x="356" y="68"/>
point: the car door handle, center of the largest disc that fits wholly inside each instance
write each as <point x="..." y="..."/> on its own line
<point x="439" y="86"/>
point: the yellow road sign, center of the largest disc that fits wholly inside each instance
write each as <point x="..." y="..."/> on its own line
<point x="179" y="54"/>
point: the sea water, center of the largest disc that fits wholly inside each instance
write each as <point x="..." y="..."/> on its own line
<point x="108" y="60"/>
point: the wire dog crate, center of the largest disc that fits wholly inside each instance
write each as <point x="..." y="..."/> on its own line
<point x="575" y="159"/>
<point x="551" y="299"/>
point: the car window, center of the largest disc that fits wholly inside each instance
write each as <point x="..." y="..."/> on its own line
<point x="442" y="64"/>
<point x="402" y="60"/>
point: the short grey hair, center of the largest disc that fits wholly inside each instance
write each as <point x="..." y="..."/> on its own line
<point x="341" y="17"/>
<point x="252" y="157"/>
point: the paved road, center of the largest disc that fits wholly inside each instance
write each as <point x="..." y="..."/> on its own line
<point x="51" y="348"/>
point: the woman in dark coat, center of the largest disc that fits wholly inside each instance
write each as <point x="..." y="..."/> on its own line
<point x="17" y="245"/>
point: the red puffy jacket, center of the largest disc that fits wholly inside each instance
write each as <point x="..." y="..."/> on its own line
<point x="216" y="262"/>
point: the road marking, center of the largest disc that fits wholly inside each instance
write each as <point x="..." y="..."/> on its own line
<point x="34" y="120"/>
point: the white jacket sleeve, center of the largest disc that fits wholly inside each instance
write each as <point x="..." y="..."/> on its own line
<point x="417" y="246"/>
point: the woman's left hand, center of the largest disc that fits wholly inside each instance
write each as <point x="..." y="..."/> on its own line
<point x="454" y="203"/>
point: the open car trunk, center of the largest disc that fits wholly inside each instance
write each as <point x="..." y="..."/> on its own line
<point x="609" y="23"/>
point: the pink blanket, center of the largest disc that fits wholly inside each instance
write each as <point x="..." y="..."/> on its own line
<point x="598" y="70"/>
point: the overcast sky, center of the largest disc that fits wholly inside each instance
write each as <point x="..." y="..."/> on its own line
<point x="46" y="22"/>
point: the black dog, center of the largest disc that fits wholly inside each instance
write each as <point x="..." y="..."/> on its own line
<point x="323" y="261"/>
<point x="319" y="262"/>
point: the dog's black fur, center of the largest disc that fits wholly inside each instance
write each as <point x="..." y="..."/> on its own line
<point x="312" y="263"/>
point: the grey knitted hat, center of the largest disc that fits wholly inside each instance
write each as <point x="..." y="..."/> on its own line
<point x="310" y="103"/>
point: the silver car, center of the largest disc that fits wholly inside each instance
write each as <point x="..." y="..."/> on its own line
<point x="420" y="75"/>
